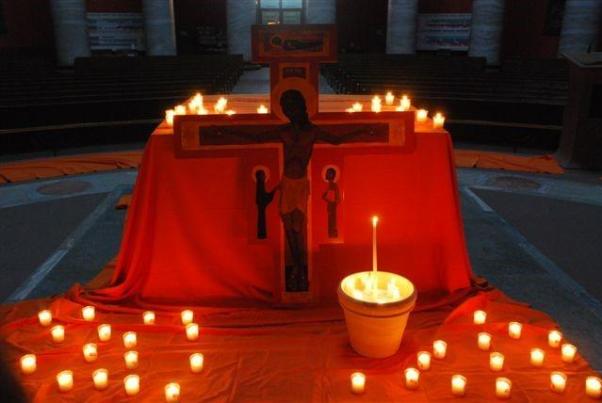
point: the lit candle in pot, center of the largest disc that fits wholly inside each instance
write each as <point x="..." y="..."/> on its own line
<point x="148" y="317"/>
<point x="593" y="387"/>
<point x="558" y="381"/>
<point x="503" y="388"/>
<point x="58" y="333"/>
<point x="192" y="331"/>
<point x="554" y="338"/>
<point x="376" y="104"/>
<point x="28" y="364"/>
<point x="100" y="377"/>
<point x="187" y="316"/>
<point x="169" y="114"/>
<point x="484" y="341"/>
<point x="180" y="110"/>
<point x="197" y="361"/>
<point x="439" y="349"/>
<point x="104" y="332"/>
<point x="404" y="104"/>
<point x="90" y="352"/>
<point x="496" y="361"/>
<point x="423" y="360"/>
<point x="568" y="352"/>
<point x="458" y="385"/>
<point x="130" y="339"/>
<point x="412" y="377"/>
<point x="220" y="105"/>
<point x="422" y="115"/>
<point x="131" y="359"/>
<point x="262" y="109"/>
<point x="479" y="317"/>
<point x="172" y="392"/>
<point x="131" y="383"/>
<point x="389" y="98"/>
<point x="358" y="383"/>
<point x="45" y="317"/>
<point x="64" y="380"/>
<point x="438" y="120"/>
<point x="515" y="330"/>
<point x="88" y="313"/>
<point x="537" y="357"/>
<point x="357" y="107"/>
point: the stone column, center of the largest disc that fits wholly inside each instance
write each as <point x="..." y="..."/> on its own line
<point x="401" y="26"/>
<point x="580" y="25"/>
<point x="159" y="27"/>
<point x="70" y="30"/>
<point x="321" y="12"/>
<point x="487" y="27"/>
<point x="241" y="14"/>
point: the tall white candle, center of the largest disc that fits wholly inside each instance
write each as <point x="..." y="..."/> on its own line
<point x="358" y="383"/>
<point x="45" y="317"/>
<point x="503" y="388"/>
<point x="28" y="364"/>
<point x="374" y="251"/>
<point x="131" y="383"/>
<point x="104" y="332"/>
<point x="64" y="379"/>
<point x="100" y="377"/>
<point x="172" y="392"/>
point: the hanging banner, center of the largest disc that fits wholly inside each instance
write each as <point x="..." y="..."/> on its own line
<point x="444" y="31"/>
<point x="116" y="31"/>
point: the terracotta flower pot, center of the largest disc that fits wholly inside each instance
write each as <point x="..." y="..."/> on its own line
<point x="376" y="329"/>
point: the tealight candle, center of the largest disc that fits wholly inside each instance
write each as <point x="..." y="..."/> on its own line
<point x="593" y="387"/>
<point x="503" y="388"/>
<point x="554" y="338"/>
<point x="404" y="104"/>
<point x="412" y="377"/>
<point x="484" y="341"/>
<point x="230" y="112"/>
<point x="28" y="364"/>
<point x="187" y="316"/>
<point x="423" y="359"/>
<point x="262" y="109"/>
<point x="514" y="330"/>
<point x="180" y="110"/>
<point x="65" y="380"/>
<point x="129" y="339"/>
<point x="58" y="333"/>
<point x="88" y="313"/>
<point x="558" y="381"/>
<point x="458" y="385"/>
<point x="131" y="359"/>
<point x="169" y="114"/>
<point x="376" y="104"/>
<point x="196" y="362"/>
<point x="90" y="352"/>
<point x="389" y="98"/>
<point x="358" y="383"/>
<point x="172" y="392"/>
<point x="131" y="384"/>
<point x="479" y="317"/>
<point x="537" y="357"/>
<point x="568" y="352"/>
<point x="496" y="361"/>
<point x="438" y="120"/>
<point x="148" y="317"/>
<point x="104" y="332"/>
<point x="45" y="317"/>
<point x="220" y="105"/>
<point x="439" y="349"/>
<point x="100" y="377"/>
<point x="357" y="107"/>
<point x="192" y="331"/>
<point x="421" y="115"/>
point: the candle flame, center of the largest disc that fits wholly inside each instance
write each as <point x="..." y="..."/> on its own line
<point x="374" y="220"/>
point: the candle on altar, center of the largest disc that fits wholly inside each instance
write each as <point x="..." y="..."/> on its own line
<point x="64" y="379"/>
<point x="422" y="115"/>
<point x="568" y="352"/>
<point x="192" y="331"/>
<point x="104" y="332"/>
<point x="187" y="316"/>
<point x="537" y="357"/>
<point x="172" y="392"/>
<point x="412" y="378"/>
<point x="484" y="341"/>
<point x="45" y="317"/>
<point x="496" y="361"/>
<point x="479" y="317"/>
<point x="554" y="338"/>
<point x="357" y="107"/>
<point x="230" y="112"/>
<point x="515" y="330"/>
<point x="90" y="352"/>
<point x="374" y="251"/>
<point x="58" y="333"/>
<point x="458" y="385"/>
<point x="439" y="349"/>
<point x="220" y="105"/>
<point x="148" y="317"/>
<point x="100" y="377"/>
<point x="262" y="109"/>
<point x="197" y="361"/>
<point x="131" y="384"/>
<point x="438" y="120"/>
<point x="195" y="103"/>
<point x="131" y="359"/>
<point x="169" y="114"/>
<point x="558" y="381"/>
<point x="358" y="383"/>
<point x="376" y="104"/>
<point x="129" y="339"/>
<point x="404" y="104"/>
<point x="88" y="313"/>
<point x="28" y="364"/>
<point x="503" y="388"/>
<point x="593" y="387"/>
<point x="389" y="98"/>
<point x="180" y="110"/>
<point x="423" y="360"/>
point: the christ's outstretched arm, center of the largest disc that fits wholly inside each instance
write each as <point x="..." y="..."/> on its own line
<point x="369" y="130"/>
<point x="246" y="133"/>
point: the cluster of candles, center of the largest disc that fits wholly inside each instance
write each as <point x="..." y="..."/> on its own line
<point x="503" y="385"/>
<point x="196" y="107"/>
<point x="100" y="377"/>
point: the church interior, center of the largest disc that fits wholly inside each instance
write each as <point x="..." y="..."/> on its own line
<point x="300" y="200"/>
